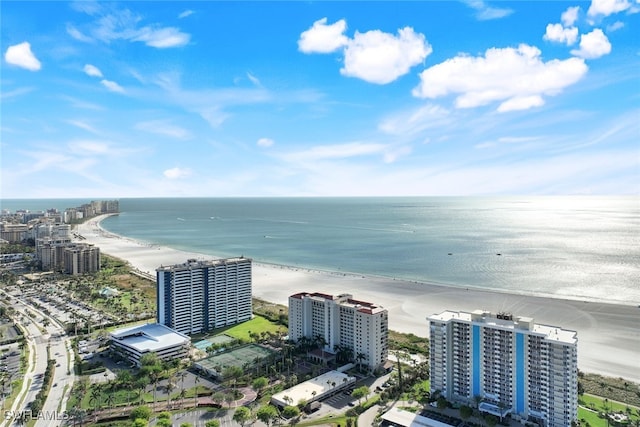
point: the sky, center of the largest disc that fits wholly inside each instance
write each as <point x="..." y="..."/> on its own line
<point x="318" y="98"/>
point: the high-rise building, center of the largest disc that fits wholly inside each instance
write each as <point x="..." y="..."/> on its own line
<point x="198" y="296"/>
<point x="341" y="322"/>
<point x="505" y="365"/>
<point x="81" y="258"/>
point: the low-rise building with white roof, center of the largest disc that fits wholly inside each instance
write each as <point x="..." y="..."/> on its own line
<point x="315" y="389"/>
<point x="134" y="342"/>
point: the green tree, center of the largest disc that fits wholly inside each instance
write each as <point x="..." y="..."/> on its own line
<point x="465" y="412"/>
<point x="165" y="415"/>
<point x="267" y="414"/>
<point x="359" y="393"/>
<point x="139" y="422"/>
<point x="259" y="384"/>
<point x="214" y="423"/>
<point x="290" y="411"/>
<point x="441" y="402"/>
<point x="141" y="412"/>
<point x="490" y="420"/>
<point x="242" y="415"/>
<point x="186" y="425"/>
<point x="164" y="423"/>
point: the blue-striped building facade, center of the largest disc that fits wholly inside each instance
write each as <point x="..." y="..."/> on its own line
<point x="505" y="366"/>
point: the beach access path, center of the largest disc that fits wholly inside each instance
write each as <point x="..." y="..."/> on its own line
<point x="608" y="334"/>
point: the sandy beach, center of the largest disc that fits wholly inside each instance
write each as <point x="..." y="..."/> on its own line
<point x="608" y="334"/>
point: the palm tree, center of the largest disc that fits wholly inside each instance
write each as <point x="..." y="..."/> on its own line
<point x="111" y="397"/>
<point x="95" y="396"/>
<point x="154" y="377"/>
<point x="183" y="374"/>
<point x="168" y="388"/>
<point x="183" y="393"/>
<point x="195" y="392"/>
<point x="360" y="357"/>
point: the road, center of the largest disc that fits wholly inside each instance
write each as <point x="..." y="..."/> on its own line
<point x="32" y="320"/>
<point x="60" y="349"/>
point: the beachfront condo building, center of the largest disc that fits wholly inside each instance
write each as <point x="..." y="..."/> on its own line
<point x="81" y="258"/>
<point x="505" y="365"/>
<point x="342" y="323"/>
<point x="199" y="296"/>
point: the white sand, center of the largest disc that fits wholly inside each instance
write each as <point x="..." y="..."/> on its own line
<point x="608" y="334"/>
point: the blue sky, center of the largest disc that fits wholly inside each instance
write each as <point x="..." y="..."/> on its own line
<point x="137" y="99"/>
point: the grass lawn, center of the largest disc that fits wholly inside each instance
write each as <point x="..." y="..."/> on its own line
<point x="127" y="325"/>
<point x="598" y="404"/>
<point x="591" y="418"/>
<point x="329" y="420"/>
<point x="256" y="325"/>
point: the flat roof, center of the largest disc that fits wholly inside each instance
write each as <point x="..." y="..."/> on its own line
<point x="320" y="385"/>
<point x="410" y="419"/>
<point x="520" y="323"/>
<point x="149" y="337"/>
<point x="194" y="263"/>
<point x="553" y="333"/>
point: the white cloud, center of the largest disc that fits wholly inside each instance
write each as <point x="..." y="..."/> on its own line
<point x="254" y="79"/>
<point x="393" y="154"/>
<point x="265" y="142"/>
<point x="593" y="45"/>
<point x="607" y="7"/>
<point x="76" y="34"/>
<point x="558" y="33"/>
<point x="416" y="121"/>
<point x="125" y="25"/>
<point x="112" y="86"/>
<point x="323" y="38"/>
<point x="517" y="139"/>
<point x="615" y="26"/>
<point x="486" y="12"/>
<point x="161" y="127"/>
<point x="82" y="125"/>
<point x="570" y="16"/>
<point x="518" y="78"/>
<point x="89" y="7"/>
<point x="335" y="151"/>
<point x="15" y="93"/>
<point x="162" y="37"/>
<point x="378" y="57"/>
<point x="21" y="56"/>
<point x="521" y="103"/>
<point x="92" y="71"/>
<point x="88" y="148"/>
<point x="373" y="56"/>
<point x="177" y="173"/>
<point x="186" y="13"/>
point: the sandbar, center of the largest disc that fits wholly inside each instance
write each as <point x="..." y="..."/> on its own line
<point x="608" y="334"/>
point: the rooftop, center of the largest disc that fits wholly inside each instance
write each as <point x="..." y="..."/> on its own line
<point x="344" y="300"/>
<point x="508" y="321"/>
<point x="149" y="337"/>
<point x="409" y="419"/>
<point x="194" y="263"/>
<point x="314" y="388"/>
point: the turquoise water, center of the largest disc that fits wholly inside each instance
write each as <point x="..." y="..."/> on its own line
<point x="578" y="247"/>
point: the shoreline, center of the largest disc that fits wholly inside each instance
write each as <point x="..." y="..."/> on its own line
<point x="601" y="326"/>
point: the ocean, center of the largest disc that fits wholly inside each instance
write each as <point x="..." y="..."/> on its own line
<point x="579" y="247"/>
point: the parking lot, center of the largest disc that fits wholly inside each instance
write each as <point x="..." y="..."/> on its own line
<point x="9" y="364"/>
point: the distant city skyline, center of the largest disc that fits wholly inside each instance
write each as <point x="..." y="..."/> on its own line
<point x="213" y="98"/>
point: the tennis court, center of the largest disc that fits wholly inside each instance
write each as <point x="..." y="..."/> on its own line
<point x="218" y="339"/>
<point x="240" y="357"/>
